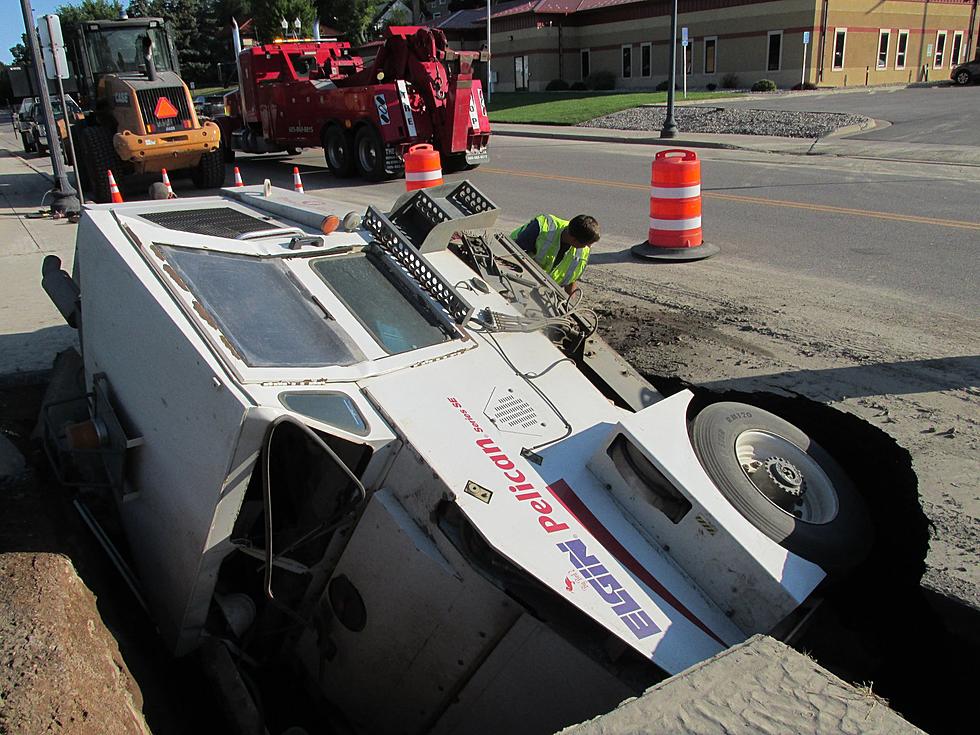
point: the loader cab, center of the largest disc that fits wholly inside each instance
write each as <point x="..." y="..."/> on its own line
<point x="116" y="47"/>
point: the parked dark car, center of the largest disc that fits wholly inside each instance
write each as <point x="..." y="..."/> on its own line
<point x="966" y="73"/>
<point x="23" y="120"/>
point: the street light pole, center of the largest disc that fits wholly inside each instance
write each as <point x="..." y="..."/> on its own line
<point x="669" y="129"/>
<point x="64" y="198"/>
<point x="489" y="61"/>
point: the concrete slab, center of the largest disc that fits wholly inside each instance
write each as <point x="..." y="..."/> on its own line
<point x="758" y="687"/>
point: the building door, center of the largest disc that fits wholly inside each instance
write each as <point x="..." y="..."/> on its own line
<point x="521" y="73"/>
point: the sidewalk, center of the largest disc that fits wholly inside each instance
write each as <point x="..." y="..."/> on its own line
<point x="31" y="329"/>
<point x="836" y="144"/>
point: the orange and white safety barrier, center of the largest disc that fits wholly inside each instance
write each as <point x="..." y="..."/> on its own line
<point x="297" y="181"/>
<point x="422" y="167"/>
<point x="166" y="183"/>
<point x="238" y="177"/>
<point x="675" y="209"/>
<point x="114" y="194"/>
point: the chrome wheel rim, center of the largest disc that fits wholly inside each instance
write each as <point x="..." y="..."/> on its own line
<point x="787" y="476"/>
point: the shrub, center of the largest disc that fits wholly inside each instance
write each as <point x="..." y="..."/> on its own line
<point x="556" y="85"/>
<point x="665" y="85"/>
<point x="730" y="81"/>
<point x="601" y="80"/>
<point x="711" y="87"/>
<point x="764" y="85"/>
<point x="578" y="86"/>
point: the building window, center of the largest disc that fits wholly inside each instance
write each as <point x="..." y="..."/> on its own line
<point x="710" y="51"/>
<point x="884" y="35"/>
<point x="775" y="52"/>
<point x="937" y="62"/>
<point x="954" y="56"/>
<point x="585" y="64"/>
<point x="840" y="41"/>
<point x="627" y="62"/>
<point x="689" y="55"/>
<point x="902" y="49"/>
<point x="645" y="59"/>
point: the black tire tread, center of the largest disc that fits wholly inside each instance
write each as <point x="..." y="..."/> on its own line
<point x="349" y="167"/>
<point x="841" y="542"/>
<point x="97" y="157"/>
<point x="209" y="173"/>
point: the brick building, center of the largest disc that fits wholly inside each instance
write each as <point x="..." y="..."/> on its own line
<point x="852" y="42"/>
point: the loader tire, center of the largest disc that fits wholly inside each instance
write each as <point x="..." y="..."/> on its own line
<point x="209" y="173"/>
<point x="370" y="153"/>
<point x="338" y="150"/>
<point x="96" y="157"/>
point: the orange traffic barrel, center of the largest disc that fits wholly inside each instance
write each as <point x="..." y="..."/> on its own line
<point x="675" y="209"/>
<point x="422" y="167"/>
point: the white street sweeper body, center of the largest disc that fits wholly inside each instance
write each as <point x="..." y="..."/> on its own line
<point x="478" y="517"/>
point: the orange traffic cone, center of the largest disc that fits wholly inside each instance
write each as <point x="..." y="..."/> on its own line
<point x="115" y="196"/>
<point x="297" y="181"/>
<point x="166" y="183"/>
<point x="238" y="177"/>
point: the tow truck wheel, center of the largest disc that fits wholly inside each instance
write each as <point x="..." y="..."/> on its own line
<point x="783" y="483"/>
<point x="338" y="149"/>
<point x="370" y="153"/>
<point x="210" y="171"/>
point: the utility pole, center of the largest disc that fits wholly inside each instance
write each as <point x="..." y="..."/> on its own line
<point x="669" y="129"/>
<point x="489" y="61"/>
<point x="64" y="198"/>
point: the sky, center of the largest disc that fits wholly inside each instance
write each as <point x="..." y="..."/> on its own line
<point x="13" y="28"/>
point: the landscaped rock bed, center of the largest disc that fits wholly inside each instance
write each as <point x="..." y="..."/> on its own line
<point x="732" y="121"/>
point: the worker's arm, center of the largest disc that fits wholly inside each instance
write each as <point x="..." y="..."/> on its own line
<point x="527" y="237"/>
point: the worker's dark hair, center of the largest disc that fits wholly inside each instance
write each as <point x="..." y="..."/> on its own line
<point x="584" y="229"/>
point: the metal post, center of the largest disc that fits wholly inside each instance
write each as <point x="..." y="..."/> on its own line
<point x="669" y="129"/>
<point x="489" y="60"/>
<point x="684" y="61"/>
<point x="63" y="199"/>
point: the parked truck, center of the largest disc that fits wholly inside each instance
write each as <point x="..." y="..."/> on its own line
<point x="300" y="94"/>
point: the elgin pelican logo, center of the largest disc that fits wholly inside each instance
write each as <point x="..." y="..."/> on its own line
<point x="165" y="109"/>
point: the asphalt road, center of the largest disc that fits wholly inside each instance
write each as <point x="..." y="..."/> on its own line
<point x="910" y="229"/>
<point x="949" y="115"/>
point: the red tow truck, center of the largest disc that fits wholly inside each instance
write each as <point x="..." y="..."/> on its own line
<point x="302" y="94"/>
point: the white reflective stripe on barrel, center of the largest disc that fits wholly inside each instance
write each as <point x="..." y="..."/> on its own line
<point x="675" y="224"/>
<point x="675" y="192"/>
<point x="423" y="175"/>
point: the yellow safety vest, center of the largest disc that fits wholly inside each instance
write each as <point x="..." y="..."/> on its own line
<point x="546" y="247"/>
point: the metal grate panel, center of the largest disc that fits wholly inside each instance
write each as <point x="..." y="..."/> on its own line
<point x="148" y="99"/>
<point x="396" y="245"/>
<point x="216" y="221"/>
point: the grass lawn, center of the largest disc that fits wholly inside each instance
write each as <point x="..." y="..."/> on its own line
<point x="569" y="108"/>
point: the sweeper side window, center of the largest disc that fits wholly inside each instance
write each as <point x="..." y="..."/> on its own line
<point x="397" y="320"/>
<point x="260" y="311"/>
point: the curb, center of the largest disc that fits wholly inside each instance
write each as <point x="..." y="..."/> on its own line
<point x="611" y="138"/>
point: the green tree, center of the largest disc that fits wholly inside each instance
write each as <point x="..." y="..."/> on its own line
<point x="269" y="15"/>
<point x="352" y="17"/>
<point x="19" y="52"/>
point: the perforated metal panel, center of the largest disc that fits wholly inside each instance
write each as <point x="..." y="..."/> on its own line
<point x="216" y="221"/>
<point x="515" y="413"/>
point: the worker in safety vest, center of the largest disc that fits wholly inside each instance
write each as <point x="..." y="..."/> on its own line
<point x="559" y="246"/>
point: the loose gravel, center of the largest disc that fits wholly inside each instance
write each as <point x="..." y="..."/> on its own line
<point x="735" y="121"/>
